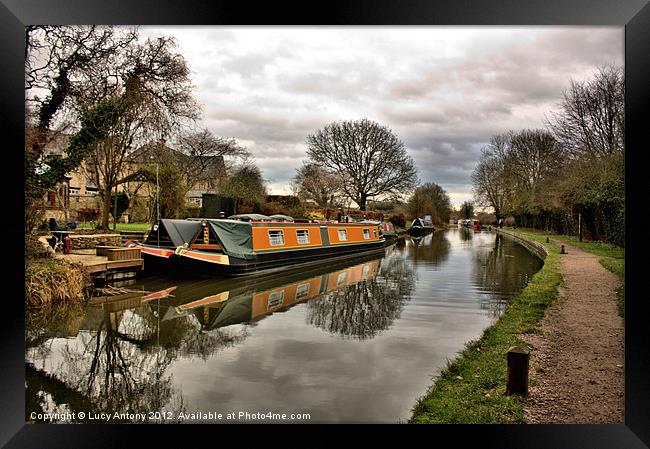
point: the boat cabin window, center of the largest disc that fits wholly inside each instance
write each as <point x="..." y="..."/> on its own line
<point x="302" y="291"/>
<point x="276" y="238"/>
<point x="343" y="235"/>
<point x="275" y="299"/>
<point x="366" y="234"/>
<point x="374" y="233"/>
<point x="303" y="236"/>
<point x="340" y="280"/>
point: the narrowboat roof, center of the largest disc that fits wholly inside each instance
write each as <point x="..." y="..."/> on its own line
<point x="250" y="217"/>
<point x="281" y="218"/>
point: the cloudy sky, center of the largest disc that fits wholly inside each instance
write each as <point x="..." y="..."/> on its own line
<point x="443" y="90"/>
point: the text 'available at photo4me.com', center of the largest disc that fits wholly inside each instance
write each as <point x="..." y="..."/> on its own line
<point x="165" y="416"/>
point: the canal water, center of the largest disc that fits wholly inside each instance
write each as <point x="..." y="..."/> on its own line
<point x="353" y="342"/>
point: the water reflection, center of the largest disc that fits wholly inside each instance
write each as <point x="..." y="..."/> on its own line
<point x="498" y="269"/>
<point x="431" y="249"/>
<point x="322" y="340"/>
<point x="370" y="304"/>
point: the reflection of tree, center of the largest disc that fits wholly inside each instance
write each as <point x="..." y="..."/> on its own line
<point x="432" y="249"/>
<point x="120" y="366"/>
<point x="465" y="234"/>
<point x="368" y="307"/>
<point x="110" y="368"/>
<point x="503" y="271"/>
<point x="55" y="320"/>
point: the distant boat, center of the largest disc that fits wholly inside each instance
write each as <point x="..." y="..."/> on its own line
<point x="476" y="225"/>
<point x="420" y="227"/>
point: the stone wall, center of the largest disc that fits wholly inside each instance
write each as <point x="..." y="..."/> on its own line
<point x="536" y="248"/>
<point x="91" y="241"/>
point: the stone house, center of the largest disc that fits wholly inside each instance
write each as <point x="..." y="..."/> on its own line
<point x="77" y="197"/>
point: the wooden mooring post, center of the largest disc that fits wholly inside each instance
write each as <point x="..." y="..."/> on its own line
<point x="562" y="251"/>
<point x="518" y="362"/>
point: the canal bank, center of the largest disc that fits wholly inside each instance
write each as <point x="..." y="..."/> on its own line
<point x="471" y="389"/>
<point x="577" y="358"/>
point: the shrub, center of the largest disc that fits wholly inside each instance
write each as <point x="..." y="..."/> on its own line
<point x="399" y="221"/>
<point x="51" y="281"/>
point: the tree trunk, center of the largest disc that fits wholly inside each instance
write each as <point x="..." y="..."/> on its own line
<point x="106" y="201"/>
<point x="362" y="201"/>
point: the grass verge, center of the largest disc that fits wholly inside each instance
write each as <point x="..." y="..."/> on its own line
<point x="471" y="388"/>
<point x="612" y="258"/>
<point x="120" y="226"/>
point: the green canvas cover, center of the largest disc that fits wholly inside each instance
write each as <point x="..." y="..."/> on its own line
<point x="236" y="237"/>
<point x="236" y="310"/>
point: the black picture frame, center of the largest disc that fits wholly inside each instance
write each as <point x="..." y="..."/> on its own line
<point x="634" y="15"/>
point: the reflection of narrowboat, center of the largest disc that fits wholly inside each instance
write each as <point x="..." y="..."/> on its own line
<point x="245" y="305"/>
<point x="420" y="227"/>
<point x="235" y="247"/>
<point x="165" y="236"/>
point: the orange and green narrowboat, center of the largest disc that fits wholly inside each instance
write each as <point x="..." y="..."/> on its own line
<point x="233" y="247"/>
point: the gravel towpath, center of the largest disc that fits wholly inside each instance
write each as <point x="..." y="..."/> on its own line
<point x="577" y="361"/>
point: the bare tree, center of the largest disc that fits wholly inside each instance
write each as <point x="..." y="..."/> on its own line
<point x="314" y="182"/>
<point x="533" y="157"/>
<point x="208" y="157"/>
<point x="154" y="100"/>
<point x="591" y="119"/>
<point x="368" y="157"/>
<point x="430" y="199"/>
<point x="490" y="176"/>
<point x="467" y="210"/>
<point x="59" y="60"/>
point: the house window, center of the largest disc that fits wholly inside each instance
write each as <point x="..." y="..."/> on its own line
<point x="343" y="235"/>
<point x="276" y="238"/>
<point x="302" y="291"/>
<point x="366" y="234"/>
<point x="303" y="236"/>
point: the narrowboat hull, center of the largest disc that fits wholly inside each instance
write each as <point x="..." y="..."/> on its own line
<point x="220" y="264"/>
<point x="157" y="258"/>
<point x="417" y="231"/>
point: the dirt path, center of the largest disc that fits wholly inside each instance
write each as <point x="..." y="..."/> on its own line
<point x="578" y="361"/>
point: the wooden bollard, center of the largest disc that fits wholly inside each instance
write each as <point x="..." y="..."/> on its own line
<point x="518" y="359"/>
<point x="547" y="241"/>
<point x="562" y="251"/>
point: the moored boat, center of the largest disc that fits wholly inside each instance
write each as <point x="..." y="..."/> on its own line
<point x="420" y="227"/>
<point x="232" y="247"/>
